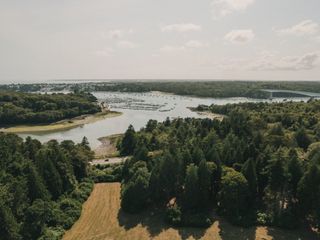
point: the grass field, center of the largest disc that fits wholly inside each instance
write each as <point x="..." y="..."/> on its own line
<point x="61" y="125"/>
<point x="102" y="219"/>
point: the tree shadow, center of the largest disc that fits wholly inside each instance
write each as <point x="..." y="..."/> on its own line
<point x="302" y="233"/>
<point x="153" y="221"/>
<point x="231" y="232"/>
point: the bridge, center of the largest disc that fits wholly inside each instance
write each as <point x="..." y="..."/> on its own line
<point x="297" y="93"/>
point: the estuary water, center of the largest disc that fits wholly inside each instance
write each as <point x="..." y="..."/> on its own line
<point x="137" y="109"/>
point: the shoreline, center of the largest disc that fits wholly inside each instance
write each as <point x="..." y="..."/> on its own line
<point x="208" y="114"/>
<point x="107" y="147"/>
<point x="65" y="124"/>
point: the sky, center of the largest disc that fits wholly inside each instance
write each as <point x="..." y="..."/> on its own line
<point x="168" y="39"/>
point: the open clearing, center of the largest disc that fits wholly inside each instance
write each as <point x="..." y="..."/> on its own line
<point x="102" y="219"/>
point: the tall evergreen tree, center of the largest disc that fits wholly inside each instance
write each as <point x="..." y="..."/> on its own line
<point x="204" y="176"/>
<point x="191" y="197"/>
<point x="9" y="228"/>
<point x="36" y="186"/>
<point x="295" y="171"/>
<point x="128" y="142"/>
<point x="136" y="192"/>
<point x="309" y="194"/>
<point x="233" y="196"/>
<point x="249" y="171"/>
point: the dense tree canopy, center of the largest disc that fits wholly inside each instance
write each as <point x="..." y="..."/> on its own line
<point x="42" y="186"/>
<point x="259" y="165"/>
<point x="28" y="108"/>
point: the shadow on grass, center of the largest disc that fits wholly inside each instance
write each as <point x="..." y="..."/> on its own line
<point x="153" y="221"/>
<point x="297" y="234"/>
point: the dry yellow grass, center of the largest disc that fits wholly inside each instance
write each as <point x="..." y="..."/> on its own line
<point x="102" y="219"/>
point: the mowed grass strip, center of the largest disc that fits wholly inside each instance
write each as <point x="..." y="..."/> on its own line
<point x="101" y="219"/>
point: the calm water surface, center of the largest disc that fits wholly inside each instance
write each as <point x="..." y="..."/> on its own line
<point x="137" y="109"/>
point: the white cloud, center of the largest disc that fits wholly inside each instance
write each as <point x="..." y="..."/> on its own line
<point x="126" y="44"/>
<point x="307" y="27"/>
<point x="195" y="44"/>
<point x="221" y="8"/>
<point x="168" y="48"/>
<point x="184" y="27"/>
<point x="117" y="33"/>
<point x="290" y="63"/>
<point x="192" y="44"/>
<point x="240" y="36"/>
<point x="106" y="52"/>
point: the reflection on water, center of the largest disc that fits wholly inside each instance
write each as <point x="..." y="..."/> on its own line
<point x="137" y="109"/>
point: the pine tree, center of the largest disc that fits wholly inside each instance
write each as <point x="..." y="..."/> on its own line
<point x="295" y="171"/>
<point x="136" y="192"/>
<point x="129" y="141"/>
<point x="302" y="138"/>
<point x="36" y="186"/>
<point x="249" y="171"/>
<point x="197" y="155"/>
<point x="9" y="228"/>
<point x="309" y="193"/>
<point x="49" y="172"/>
<point x="204" y="176"/>
<point x="191" y="197"/>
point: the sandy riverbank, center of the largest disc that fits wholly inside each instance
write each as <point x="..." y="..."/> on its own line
<point x="208" y="114"/>
<point x="108" y="147"/>
<point x="61" y="125"/>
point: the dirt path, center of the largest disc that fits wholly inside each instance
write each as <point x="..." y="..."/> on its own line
<point x="102" y="219"/>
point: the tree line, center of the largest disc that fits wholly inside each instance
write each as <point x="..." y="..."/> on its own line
<point x="259" y="165"/>
<point x="31" y="108"/>
<point x="42" y="186"/>
<point x="214" y="89"/>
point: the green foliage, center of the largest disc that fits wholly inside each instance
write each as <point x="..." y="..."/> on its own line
<point x="309" y="193"/>
<point x="9" y="228"/>
<point x="135" y="193"/>
<point x="302" y="138"/>
<point x="260" y="164"/>
<point x="39" y="193"/>
<point x="249" y="172"/>
<point x="31" y="108"/>
<point x="215" y="89"/>
<point x="205" y="183"/>
<point x="233" y="196"/>
<point x="128" y="142"/>
<point x="173" y="215"/>
<point x="191" y="197"/>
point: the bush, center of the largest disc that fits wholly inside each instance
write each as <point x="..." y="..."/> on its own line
<point x="287" y="220"/>
<point x="196" y="219"/>
<point x="263" y="218"/>
<point x="52" y="234"/>
<point x="173" y="215"/>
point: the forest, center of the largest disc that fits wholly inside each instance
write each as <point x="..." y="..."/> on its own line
<point x="260" y="165"/>
<point x="213" y="89"/>
<point x="42" y="186"/>
<point x="32" y="108"/>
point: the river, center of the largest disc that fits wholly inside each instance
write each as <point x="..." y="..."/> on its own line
<point x="137" y="109"/>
